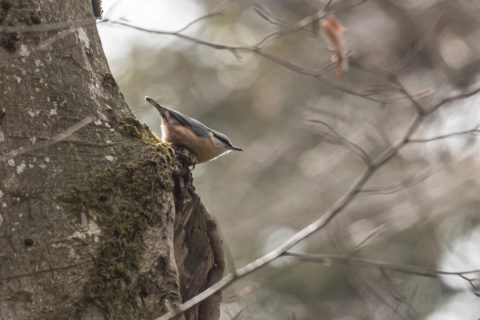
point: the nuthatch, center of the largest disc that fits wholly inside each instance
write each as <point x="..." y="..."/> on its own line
<point x="184" y="131"/>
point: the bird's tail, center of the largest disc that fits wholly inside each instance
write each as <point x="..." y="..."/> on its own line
<point x="164" y="112"/>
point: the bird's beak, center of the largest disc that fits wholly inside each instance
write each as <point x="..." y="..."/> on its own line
<point x="236" y="148"/>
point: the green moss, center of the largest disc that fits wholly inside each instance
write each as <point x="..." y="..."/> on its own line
<point x="124" y="201"/>
<point x="131" y="127"/>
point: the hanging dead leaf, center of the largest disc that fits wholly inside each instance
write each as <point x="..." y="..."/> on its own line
<point x="334" y="31"/>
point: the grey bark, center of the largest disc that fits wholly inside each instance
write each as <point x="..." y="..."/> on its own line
<point x="103" y="223"/>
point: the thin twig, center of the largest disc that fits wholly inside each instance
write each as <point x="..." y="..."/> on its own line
<point x="239" y="313"/>
<point x="448" y="135"/>
<point x="393" y="78"/>
<point x="217" y="12"/>
<point x="371" y="237"/>
<point x="340" y="139"/>
<point x="300" y="25"/>
<point x="463" y="95"/>
<point x="265" y="14"/>
<point x="327" y="5"/>
<point x="407" y="182"/>
<point x="347" y="259"/>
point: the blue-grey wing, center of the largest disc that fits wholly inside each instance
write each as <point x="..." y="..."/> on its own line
<point x="176" y="117"/>
<point x="199" y="128"/>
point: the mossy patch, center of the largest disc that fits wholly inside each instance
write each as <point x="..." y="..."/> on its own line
<point x="124" y="201"/>
<point x="6" y="4"/>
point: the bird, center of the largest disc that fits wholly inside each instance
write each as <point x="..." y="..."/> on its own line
<point x="181" y="130"/>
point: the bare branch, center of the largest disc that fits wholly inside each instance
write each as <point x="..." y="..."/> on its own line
<point x="267" y="16"/>
<point x="252" y="288"/>
<point x="56" y="139"/>
<point x="370" y="238"/>
<point x="327" y="5"/>
<point x="408" y="181"/>
<point x="296" y="27"/>
<point x="448" y="135"/>
<point x="300" y="25"/>
<point x="339" y="139"/>
<point x="393" y="78"/>
<point x="217" y="12"/>
<point x="347" y="259"/>
<point x="474" y="284"/>
<point x="239" y="313"/>
<point x="463" y="95"/>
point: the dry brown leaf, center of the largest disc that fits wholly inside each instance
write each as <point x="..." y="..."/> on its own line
<point x="334" y="31"/>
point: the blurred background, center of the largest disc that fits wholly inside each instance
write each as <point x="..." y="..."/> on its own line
<point x="422" y="208"/>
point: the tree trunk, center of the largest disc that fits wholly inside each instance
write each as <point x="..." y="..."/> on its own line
<point x="98" y="218"/>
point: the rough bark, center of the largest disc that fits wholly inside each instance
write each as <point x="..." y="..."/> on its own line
<point x="103" y="223"/>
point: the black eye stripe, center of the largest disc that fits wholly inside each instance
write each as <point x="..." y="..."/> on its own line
<point x="223" y="139"/>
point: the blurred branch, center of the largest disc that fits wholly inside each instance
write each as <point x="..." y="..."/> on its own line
<point x="267" y="16"/>
<point x="370" y="238"/>
<point x="474" y="284"/>
<point x="239" y="313"/>
<point x="391" y="76"/>
<point x="337" y="138"/>
<point x="296" y="27"/>
<point x="466" y="94"/>
<point x="217" y="12"/>
<point x="300" y="25"/>
<point x="250" y="289"/>
<point x="407" y="182"/>
<point x="348" y="259"/>
<point x="327" y="5"/>
<point x="54" y="140"/>
<point x="448" y="135"/>
<point x="318" y="75"/>
<point x="381" y="265"/>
